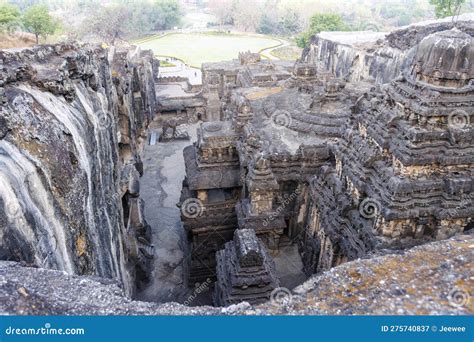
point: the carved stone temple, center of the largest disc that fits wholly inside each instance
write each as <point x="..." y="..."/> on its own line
<point x="212" y="187"/>
<point x="245" y="271"/>
<point x="361" y="149"/>
<point x="334" y="163"/>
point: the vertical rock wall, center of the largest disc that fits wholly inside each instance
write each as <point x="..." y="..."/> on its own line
<point x="355" y="56"/>
<point x="374" y="56"/>
<point x="72" y="122"/>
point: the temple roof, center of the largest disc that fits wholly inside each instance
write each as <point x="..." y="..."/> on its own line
<point x="445" y="58"/>
<point x="217" y="177"/>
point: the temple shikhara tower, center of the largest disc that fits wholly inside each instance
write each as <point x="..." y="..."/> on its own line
<point x="416" y="137"/>
<point x="245" y="271"/>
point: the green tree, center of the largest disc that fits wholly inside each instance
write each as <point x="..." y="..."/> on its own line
<point x="38" y="21"/>
<point x="107" y="23"/>
<point x="446" y="8"/>
<point x="267" y="25"/>
<point x="9" y="16"/>
<point x="167" y="14"/>
<point x="290" y="22"/>
<point x="321" y="22"/>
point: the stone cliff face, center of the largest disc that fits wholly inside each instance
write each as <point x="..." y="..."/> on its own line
<point x="72" y="121"/>
<point x="373" y="56"/>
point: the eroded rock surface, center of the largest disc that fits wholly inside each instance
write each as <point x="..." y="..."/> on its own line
<point x="72" y="120"/>
<point x="435" y="279"/>
<point x="378" y="56"/>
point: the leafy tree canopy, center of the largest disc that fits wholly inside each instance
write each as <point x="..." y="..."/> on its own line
<point x="9" y="14"/>
<point x="38" y="21"/>
<point x="167" y="14"/>
<point x="321" y="22"/>
<point x="446" y="8"/>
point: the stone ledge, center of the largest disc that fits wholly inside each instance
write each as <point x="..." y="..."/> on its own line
<point x="415" y="282"/>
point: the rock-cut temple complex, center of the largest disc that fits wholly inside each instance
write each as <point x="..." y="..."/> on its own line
<point x="362" y="148"/>
<point x="303" y="155"/>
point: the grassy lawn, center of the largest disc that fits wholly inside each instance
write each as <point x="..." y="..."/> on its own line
<point x="166" y="64"/>
<point x="197" y="48"/>
<point x="287" y="52"/>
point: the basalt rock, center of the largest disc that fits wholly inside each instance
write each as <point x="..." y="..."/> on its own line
<point x="403" y="168"/>
<point x="75" y="117"/>
<point x="433" y="279"/>
<point x="374" y="56"/>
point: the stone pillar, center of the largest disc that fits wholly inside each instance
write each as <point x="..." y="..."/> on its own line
<point x="262" y="186"/>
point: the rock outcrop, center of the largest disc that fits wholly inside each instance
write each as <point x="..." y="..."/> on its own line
<point x="364" y="147"/>
<point x="379" y="56"/>
<point x="72" y="122"/>
<point x="434" y="279"/>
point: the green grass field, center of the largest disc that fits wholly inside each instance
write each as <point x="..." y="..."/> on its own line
<point x="197" y="48"/>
